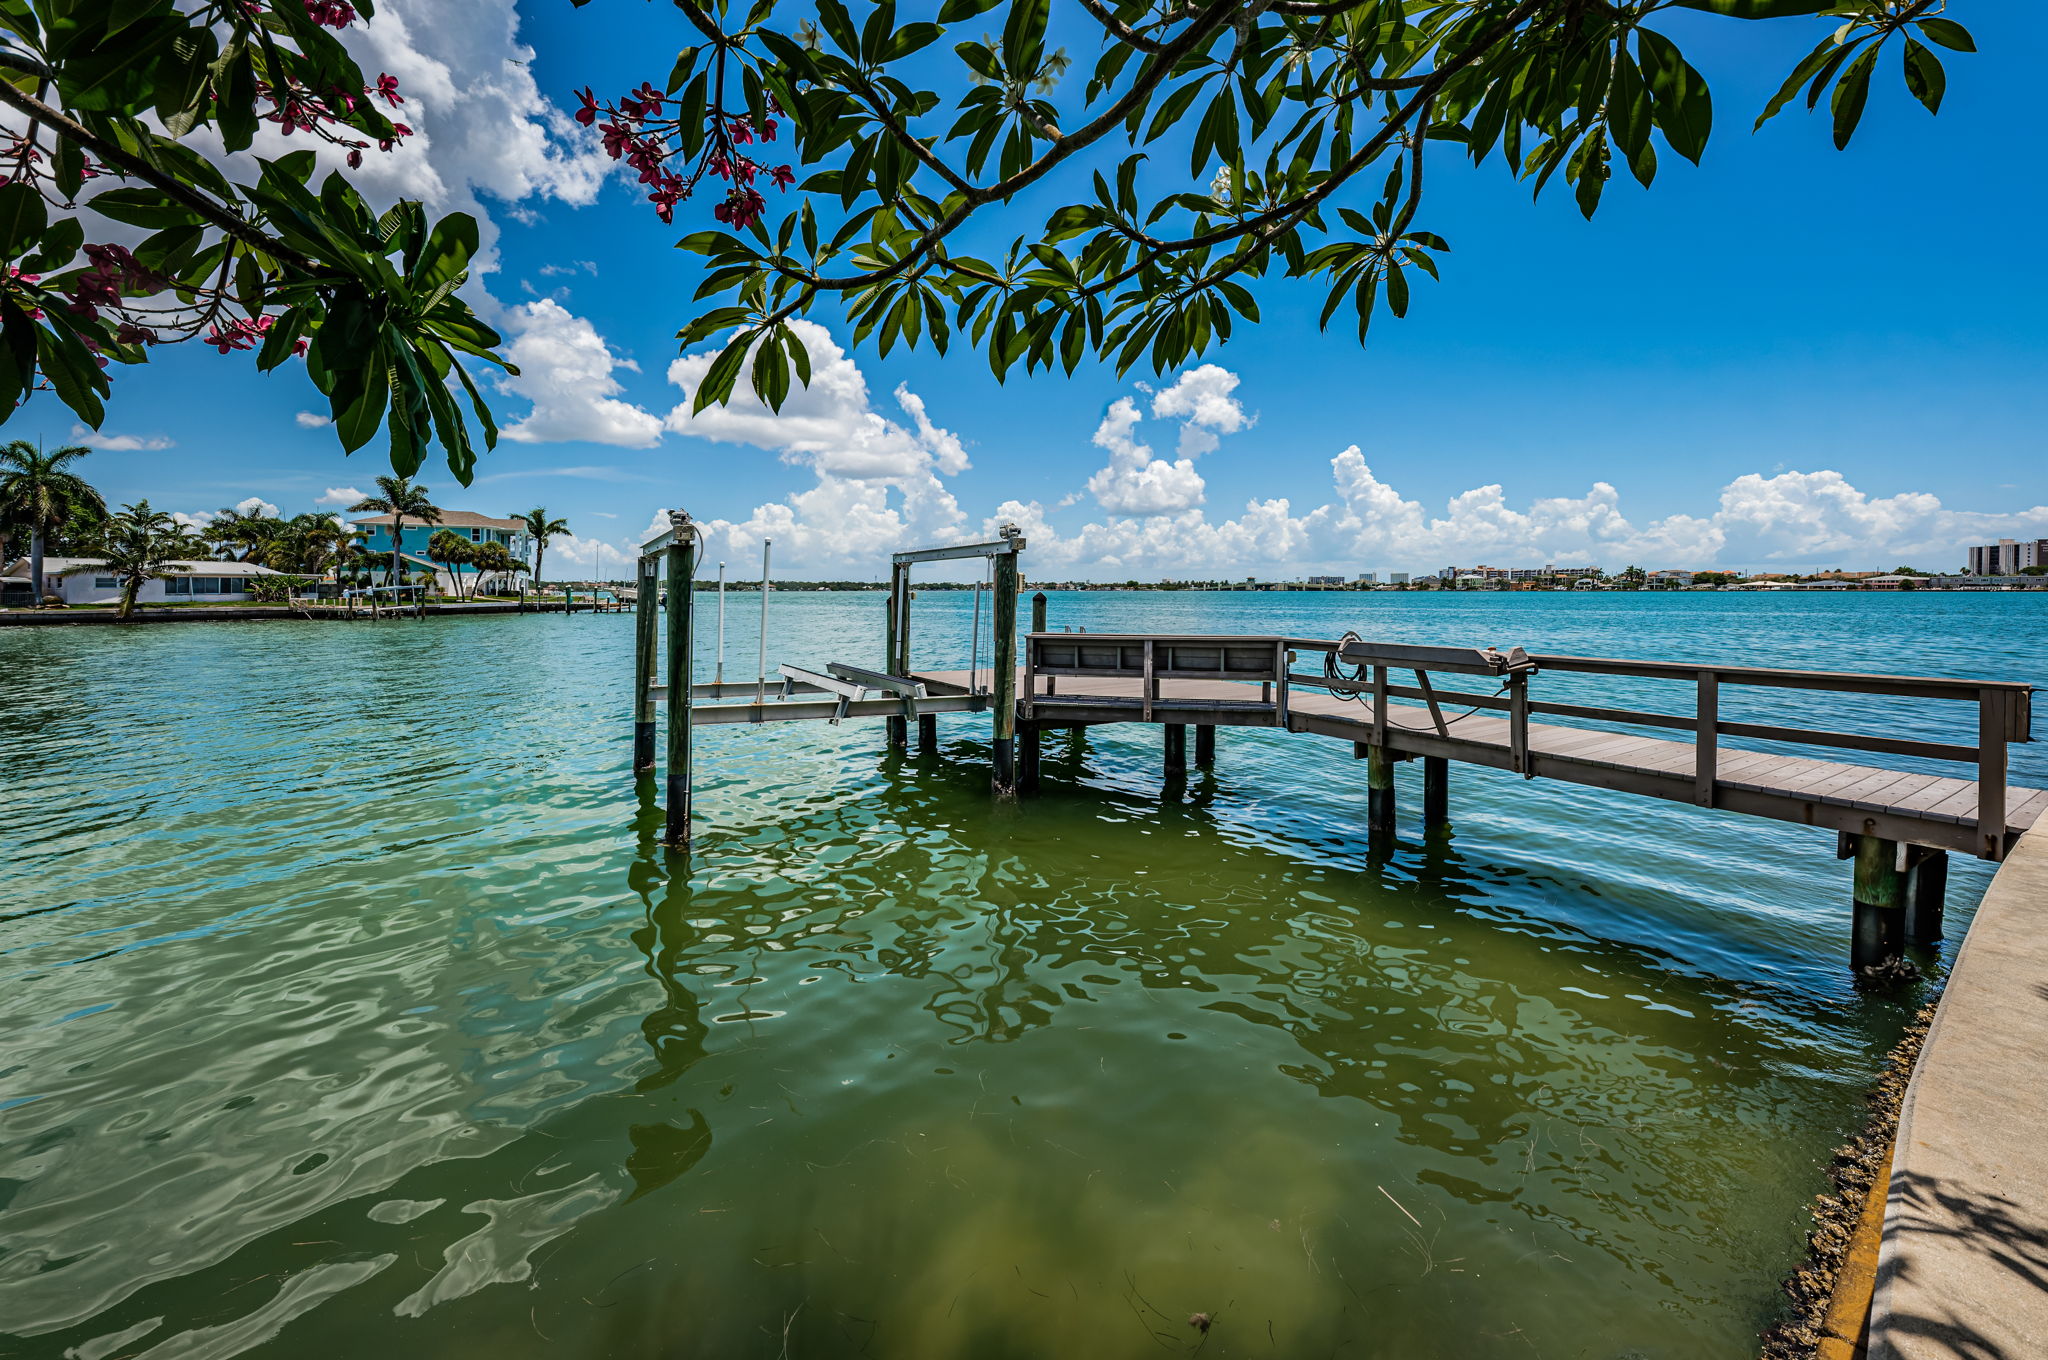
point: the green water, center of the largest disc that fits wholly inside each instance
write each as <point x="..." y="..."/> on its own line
<point x="350" y="1008"/>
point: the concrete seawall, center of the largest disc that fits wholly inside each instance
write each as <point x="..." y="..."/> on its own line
<point x="1962" y="1270"/>
<point x="62" y="618"/>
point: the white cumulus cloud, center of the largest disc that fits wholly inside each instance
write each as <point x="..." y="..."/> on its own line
<point x="1201" y="399"/>
<point x="248" y="505"/>
<point x="1788" y="520"/>
<point x="312" y="420"/>
<point x="590" y="558"/>
<point x="338" y="496"/>
<point x="879" y="478"/>
<point x="118" y="443"/>
<point x="565" y="370"/>
<point x="1136" y="483"/>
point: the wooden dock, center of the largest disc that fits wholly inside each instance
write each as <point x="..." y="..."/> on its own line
<point x="1392" y="703"/>
<point x="1919" y="808"/>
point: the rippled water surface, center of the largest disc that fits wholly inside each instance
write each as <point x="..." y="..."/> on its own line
<point x="350" y="1008"/>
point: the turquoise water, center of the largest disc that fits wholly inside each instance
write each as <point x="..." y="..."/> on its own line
<point x="352" y="1008"/>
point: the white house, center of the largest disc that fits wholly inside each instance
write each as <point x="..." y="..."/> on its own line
<point x="75" y="579"/>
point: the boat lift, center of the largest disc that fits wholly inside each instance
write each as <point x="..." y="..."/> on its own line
<point x="832" y="693"/>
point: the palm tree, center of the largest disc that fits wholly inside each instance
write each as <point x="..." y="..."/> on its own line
<point x="494" y="559"/>
<point x="37" y="491"/>
<point x="452" y="550"/>
<point x="400" y="499"/>
<point x="300" y="544"/>
<point x="343" y="545"/>
<point x="142" y="544"/>
<point x="541" y="530"/>
<point x="243" y="535"/>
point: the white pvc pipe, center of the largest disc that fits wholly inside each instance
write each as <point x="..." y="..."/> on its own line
<point x="974" y="648"/>
<point x="761" y="683"/>
<point x="719" y="678"/>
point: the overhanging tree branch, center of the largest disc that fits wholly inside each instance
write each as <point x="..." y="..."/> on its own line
<point x="234" y="224"/>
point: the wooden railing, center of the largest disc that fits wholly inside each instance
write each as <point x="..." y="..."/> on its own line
<point x="1153" y="658"/>
<point x="2004" y="711"/>
<point x="2004" y="708"/>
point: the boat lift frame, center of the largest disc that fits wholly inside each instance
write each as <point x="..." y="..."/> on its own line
<point x="667" y="571"/>
<point x="1003" y="553"/>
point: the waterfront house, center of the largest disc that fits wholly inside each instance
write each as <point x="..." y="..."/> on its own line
<point x="510" y="533"/>
<point x="476" y="528"/>
<point x="76" y="581"/>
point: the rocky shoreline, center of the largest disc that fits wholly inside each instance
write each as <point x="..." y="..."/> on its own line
<point x="1860" y="1166"/>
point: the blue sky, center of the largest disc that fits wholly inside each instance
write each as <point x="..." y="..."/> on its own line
<point x="1788" y="356"/>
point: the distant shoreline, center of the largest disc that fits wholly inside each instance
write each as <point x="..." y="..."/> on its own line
<point x="107" y="616"/>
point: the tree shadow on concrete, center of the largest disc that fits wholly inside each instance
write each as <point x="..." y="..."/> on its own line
<point x="2006" y="1280"/>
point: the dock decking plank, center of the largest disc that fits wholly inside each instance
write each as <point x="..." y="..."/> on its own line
<point x="1907" y="794"/>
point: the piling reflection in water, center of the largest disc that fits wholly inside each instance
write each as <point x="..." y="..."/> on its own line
<point x="475" y="1067"/>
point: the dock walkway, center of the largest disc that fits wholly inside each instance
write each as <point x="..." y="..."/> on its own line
<point x="1916" y="807"/>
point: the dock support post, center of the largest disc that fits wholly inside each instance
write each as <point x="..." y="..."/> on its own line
<point x="1878" y="932"/>
<point x="928" y="734"/>
<point x="1379" y="785"/>
<point x="897" y="647"/>
<point x="1003" y="660"/>
<point x="1038" y="612"/>
<point x="646" y="641"/>
<point x="682" y="567"/>
<point x="1205" y="745"/>
<point x="1926" y="897"/>
<point x="1176" y="750"/>
<point x="1029" y="744"/>
<point x="1436" y="793"/>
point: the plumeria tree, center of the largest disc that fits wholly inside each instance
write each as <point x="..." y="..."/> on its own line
<point x="832" y="157"/>
<point x="1203" y="147"/>
<point x="104" y="108"/>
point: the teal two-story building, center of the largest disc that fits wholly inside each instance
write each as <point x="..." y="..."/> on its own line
<point x="476" y="528"/>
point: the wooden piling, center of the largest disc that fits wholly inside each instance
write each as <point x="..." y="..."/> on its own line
<point x="1029" y="744"/>
<point x="1878" y="932"/>
<point x="646" y="642"/>
<point x="928" y="734"/>
<point x="1176" y="747"/>
<point x="1004" y="662"/>
<point x="682" y="563"/>
<point x="1926" y="897"/>
<point x="1205" y="745"/>
<point x="1379" y="786"/>
<point x="896" y="659"/>
<point x="1038" y="612"/>
<point x="1436" y="793"/>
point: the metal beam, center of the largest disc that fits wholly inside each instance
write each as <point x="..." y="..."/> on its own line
<point x="894" y="684"/>
<point x="792" y="676"/>
<point x="1002" y="547"/>
<point x="824" y="710"/>
<point x="729" y="689"/>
